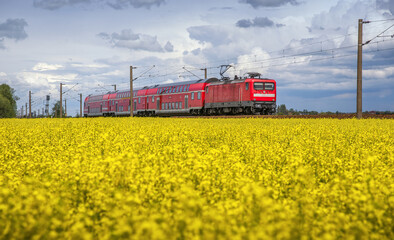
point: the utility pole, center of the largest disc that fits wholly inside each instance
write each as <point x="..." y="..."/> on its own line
<point x="131" y="91"/>
<point x="359" y="69"/>
<point x="114" y="85"/>
<point x="26" y="109"/>
<point x="205" y="71"/>
<point x="47" y="105"/>
<point x="61" y="100"/>
<point x="80" y="105"/>
<point x="65" y="107"/>
<point x="22" y="112"/>
<point x="29" y="104"/>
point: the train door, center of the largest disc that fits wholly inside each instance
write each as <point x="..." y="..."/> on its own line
<point x="116" y="106"/>
<point x="186" y="101"/>
<point x="158" y="103"/>
<point x="135" y="105"/>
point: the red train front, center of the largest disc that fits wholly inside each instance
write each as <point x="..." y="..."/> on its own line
<point x="250" y="95"/>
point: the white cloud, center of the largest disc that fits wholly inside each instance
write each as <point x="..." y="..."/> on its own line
<point x="43" y="79"/>
<point x="251" y="62"/>
<point x="115" y="4"/>
<point x="121" y="4"/>
<point x="168" y="81"/>
<point x="269" y="3"/>
<point x="133" y="41"/>
<point x="379" y="73"/>
<point x="216" y="35"/>
<point x="42" y="67"/>
<point x="82" y="65"/>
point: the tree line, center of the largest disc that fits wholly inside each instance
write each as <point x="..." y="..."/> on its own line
<point x="7" y="101"/>
<point x="282" y="110"/>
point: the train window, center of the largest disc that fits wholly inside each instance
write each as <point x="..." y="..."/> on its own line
<point x="258" y="86"/>
<point x="206" y="90"/>
<point x="176" y="105"/>
<point x="139" y="100"/>
<point x="181" y="89"/>
<point x="192" y="96"/>
<point x="180" y="105"/>
<point x="247" y="86"/>
<point x="166" y="105"/>
<point x="174" y="90"/>
<point x="162" y="106"/>
<point x="198" y="95"/>
<point x="269" y="86"/>
<point x="153" y="99"/>
<point x="173" y="106"/>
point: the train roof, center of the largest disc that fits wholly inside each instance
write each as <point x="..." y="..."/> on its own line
<point x="238" y="80"/>
<point x="209" y="80"/>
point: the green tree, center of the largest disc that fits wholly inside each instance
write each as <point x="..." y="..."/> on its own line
<point x="7" y="101"/>
<point x="282" y="110"/>
<point x="56" y="110"/>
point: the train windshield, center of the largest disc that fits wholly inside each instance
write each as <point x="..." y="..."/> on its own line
<point x="258" y="86"/>
<point x="263" y="86"/>
<point x="269" y="86"/>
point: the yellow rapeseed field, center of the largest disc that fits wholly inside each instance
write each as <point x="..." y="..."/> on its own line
<point x="166" y="178"/>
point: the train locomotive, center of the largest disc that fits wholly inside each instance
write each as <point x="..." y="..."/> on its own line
<point x="246" y="95"/>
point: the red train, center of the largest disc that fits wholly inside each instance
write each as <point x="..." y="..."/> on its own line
<point x="249" y="95"/>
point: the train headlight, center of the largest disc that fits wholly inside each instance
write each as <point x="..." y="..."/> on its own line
<point x="273" y="99"/>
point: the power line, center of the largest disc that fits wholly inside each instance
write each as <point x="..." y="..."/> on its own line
<point x="378" y="35"/>
<point x="382" y="20"/>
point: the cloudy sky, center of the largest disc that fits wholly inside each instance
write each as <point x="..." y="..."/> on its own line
<point x="308" y="46"/>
